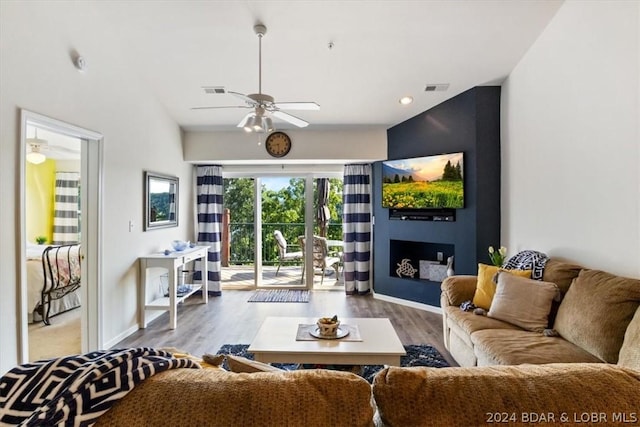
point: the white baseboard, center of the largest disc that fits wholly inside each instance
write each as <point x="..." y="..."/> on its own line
<point x="130" y="330"/>
<point x="412" y="304"/>
<point x="120" y="337"/>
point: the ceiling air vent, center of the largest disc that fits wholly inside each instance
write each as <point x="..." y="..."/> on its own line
<point x="437" y="87"/>
<point x="214" y="90"/>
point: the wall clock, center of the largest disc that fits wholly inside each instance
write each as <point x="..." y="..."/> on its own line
<point x="278" y="144"/>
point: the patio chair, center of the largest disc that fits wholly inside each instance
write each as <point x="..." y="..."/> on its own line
<point x="283" y="255"/>
<point x="321" y="258"/>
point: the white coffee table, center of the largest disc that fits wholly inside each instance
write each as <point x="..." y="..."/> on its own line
<point x="276" y="342"/>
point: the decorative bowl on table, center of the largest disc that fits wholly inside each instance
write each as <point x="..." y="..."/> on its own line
<point x="179" y="245"/>
<point x="328" y="326"/>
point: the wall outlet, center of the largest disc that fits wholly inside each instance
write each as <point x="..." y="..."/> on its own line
<point x="440" y="256"/>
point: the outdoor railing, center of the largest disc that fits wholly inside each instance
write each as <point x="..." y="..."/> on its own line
<point x="242" y="241"/>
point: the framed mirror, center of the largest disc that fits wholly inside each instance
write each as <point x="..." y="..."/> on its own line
<point x="160" y="201"/>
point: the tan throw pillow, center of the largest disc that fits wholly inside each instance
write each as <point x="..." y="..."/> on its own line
<point x="596" y="311"/>
<point x="242" y="364"/>
<point x="212" y="360"/>
<point x="523" y="302"/>
<point x="486" y="287"/>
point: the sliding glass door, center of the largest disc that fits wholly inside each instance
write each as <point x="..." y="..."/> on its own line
<point x="272" y="222"/>
<point x="283" y="227"/>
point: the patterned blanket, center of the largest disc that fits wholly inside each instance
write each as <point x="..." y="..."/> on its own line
<point x="76" y="390"/>
<point x="528" y="260"/>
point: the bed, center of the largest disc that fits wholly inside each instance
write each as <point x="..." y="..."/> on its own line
<point x="53" y="280"/>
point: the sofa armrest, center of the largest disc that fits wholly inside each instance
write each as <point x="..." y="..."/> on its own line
<point x="515" y="395"/>
<point x="457" y="289"/>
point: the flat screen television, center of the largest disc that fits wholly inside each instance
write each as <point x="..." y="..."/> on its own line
<point x="432" y="182"/>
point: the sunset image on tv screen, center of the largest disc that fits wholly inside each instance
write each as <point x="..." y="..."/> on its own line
<point x="424" y="182"/>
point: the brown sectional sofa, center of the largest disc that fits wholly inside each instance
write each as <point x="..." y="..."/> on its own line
<point x="591" y="321"/>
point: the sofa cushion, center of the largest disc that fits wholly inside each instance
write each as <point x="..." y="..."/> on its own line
<point x="596" y="311"/>
<point x="465" y="323"/>
<point x="486" y="286"/>
<point x="314" y="397"/>
<point x="630" y="350"/>
<point x="523" y="302"/>
<point x="242" y="364"/>
<point x="457" y="289"/>
<point x="561" y="273"/>
<point x="492" y="396"/>
<point x="508" y="347"/>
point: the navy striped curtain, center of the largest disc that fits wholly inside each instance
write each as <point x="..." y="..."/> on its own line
<point x="172" y="201"/>
<point x="65" y="215"/>
<point x="356" y="228"/>
<point x="209" y="222"/>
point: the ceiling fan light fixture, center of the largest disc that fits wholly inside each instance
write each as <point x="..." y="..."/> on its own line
<point x="268" y="124"/>
<point x="258" y="127"/>
<point x="245" y="124"/>
<point x="35" y="156"/>
<point x="254" y="124"/>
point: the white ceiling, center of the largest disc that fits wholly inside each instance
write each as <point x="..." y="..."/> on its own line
<point x="382" y="51"/>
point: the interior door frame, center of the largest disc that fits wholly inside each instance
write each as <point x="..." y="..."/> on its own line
<point x="91" y="230"/>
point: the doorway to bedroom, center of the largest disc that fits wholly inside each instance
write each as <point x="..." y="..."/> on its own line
<point x="60" y="217"/>
<point x="53" y="217"/>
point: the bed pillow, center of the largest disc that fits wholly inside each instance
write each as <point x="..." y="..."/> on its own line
<point x="486" y="286"/>
<point x="523" y="302"/>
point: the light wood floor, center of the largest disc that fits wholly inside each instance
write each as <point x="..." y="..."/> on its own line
<point x="230" y="319"/>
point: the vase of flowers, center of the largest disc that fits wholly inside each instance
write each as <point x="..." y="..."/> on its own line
<point x="497" y="257"/>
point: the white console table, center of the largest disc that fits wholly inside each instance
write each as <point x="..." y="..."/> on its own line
<point x="173" y="262"/>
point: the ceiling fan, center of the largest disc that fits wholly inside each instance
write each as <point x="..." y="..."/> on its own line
<point x="263" y="105"/>
<point x="38" y="149"/>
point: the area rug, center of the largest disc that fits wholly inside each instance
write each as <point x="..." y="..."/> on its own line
<point x="280" y="295"/>
<point x="417" y="355"/>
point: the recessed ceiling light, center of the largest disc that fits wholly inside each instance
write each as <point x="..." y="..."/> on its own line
<point x="406" y="100"/>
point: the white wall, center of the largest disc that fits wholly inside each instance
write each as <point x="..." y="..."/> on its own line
<point x="36" y="73"/>
<point x="308" y="145"/>
<point x="570" y="139"/>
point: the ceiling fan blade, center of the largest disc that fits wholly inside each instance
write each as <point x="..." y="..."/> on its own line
<point x="289" y="118"/>
<point x="244" y="97"/>
<point x="308" y="106"/>
<point x="223" y="106"/>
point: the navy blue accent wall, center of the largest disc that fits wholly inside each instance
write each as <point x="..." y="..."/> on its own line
<point x="469" y="122"/>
